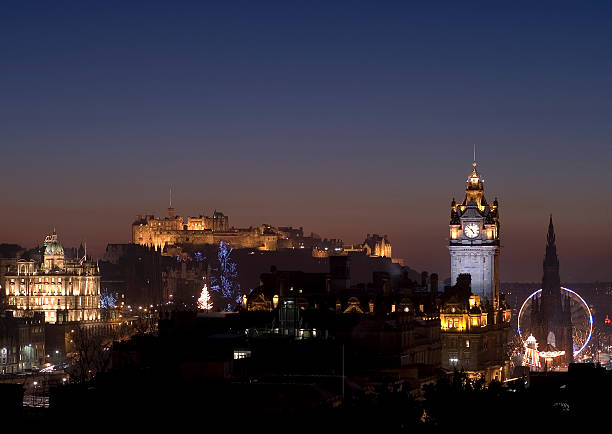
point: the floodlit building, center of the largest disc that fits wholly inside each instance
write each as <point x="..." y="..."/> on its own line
<point x="474" y="239"/>
<point x="473" y="318"/>
<point x="377" y="245"/>
<point x="66" y="290"/>
<point x="161" y="232"/>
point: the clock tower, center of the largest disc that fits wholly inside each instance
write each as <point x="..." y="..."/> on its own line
<point x="474" y="240"/>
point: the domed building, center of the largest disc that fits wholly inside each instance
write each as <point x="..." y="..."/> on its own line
<point x="66" y="290"/>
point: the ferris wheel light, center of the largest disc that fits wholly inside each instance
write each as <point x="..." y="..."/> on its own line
<point x="586" y="306"/>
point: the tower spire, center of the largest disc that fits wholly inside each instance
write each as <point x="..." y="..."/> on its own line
<point x="550" y="237"/>
<point x="551" y="247"/>
<point x="170" y="209"/>
<point x="474" y="163"/>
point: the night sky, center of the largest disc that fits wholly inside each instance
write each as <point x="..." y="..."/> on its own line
<point x="344" y="118"/>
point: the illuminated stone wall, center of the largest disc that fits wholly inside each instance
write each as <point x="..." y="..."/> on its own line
<point x="481" y="262"/>
<point x="72" y="294"/>
<point x="377" y="245"/>
<point x="161" y="232"/>
<point x="159" y="238"/>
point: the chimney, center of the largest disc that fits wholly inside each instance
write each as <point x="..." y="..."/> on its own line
<point x="424" y="276"/>
<point x="340" y="271"/>
<point x="433" y="283"/>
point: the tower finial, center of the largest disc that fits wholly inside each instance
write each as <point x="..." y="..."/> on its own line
<point x="170" y="197"/>
<point x="474" y="163"/>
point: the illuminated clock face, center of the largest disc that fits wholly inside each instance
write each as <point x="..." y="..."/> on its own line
<point x="472" y="230"/>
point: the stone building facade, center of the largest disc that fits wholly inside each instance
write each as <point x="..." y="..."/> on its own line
<point x="377" y="245"/>
<point x="22" y="343"/>
<point x="65" y="290"/>
<point x="473" y="336"/>
<point x="158" y="233"/>
<point x="150" y="231"/>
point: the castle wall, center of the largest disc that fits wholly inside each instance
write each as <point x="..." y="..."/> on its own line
<point x="148" y="236"/>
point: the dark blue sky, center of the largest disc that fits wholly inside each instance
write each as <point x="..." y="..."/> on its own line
<point x="346" y="118"/>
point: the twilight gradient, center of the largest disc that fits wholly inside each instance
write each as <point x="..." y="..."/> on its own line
<point x="346" y="118"/>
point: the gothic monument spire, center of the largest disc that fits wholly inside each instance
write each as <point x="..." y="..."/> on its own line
<point x="553" y="311"/>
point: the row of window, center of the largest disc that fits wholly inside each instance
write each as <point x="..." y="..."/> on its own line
<point x="59" y="280"/>
<point x="51" y="303"/>
<point x="54" y="293"/>
<point x="453" y="360"/>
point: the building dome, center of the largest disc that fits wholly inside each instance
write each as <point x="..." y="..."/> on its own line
<point x="52" y="245"/>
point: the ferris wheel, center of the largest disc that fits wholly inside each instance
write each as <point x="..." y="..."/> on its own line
<point x="582" y="319"/>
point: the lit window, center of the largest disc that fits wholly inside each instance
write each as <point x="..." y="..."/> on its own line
<point x="467" y="343"/>
<point x="241" y="354"/>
